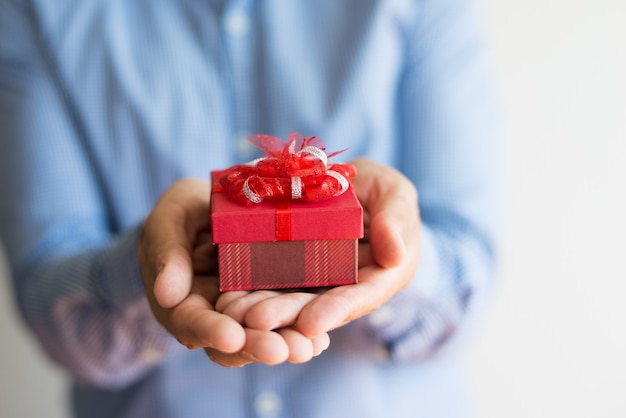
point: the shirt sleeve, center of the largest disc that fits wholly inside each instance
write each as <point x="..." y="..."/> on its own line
<point x="449" y="149"/>
<point x="76" y="277"/>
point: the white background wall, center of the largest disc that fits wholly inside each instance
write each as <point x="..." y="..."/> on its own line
<point x="555" y="340"/>
<point x="554" y="343"/>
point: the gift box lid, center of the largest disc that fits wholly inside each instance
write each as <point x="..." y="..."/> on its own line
<point x="338" y="218"/>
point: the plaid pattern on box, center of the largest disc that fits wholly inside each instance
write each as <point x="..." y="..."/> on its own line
<point x="287" y="264"/>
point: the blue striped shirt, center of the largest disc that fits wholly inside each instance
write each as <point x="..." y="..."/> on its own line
<point x="105" y="103"/>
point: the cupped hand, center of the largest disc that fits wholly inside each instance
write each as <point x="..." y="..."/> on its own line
<point x="179" y="267"/>
<point x="388" y="260"/>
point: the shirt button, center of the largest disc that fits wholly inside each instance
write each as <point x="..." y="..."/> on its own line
<point x="268" y="404"/>
<point x="236" y="24"/>
<point x="383" y="316"/>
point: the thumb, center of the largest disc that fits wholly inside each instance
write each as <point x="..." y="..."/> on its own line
<point x="390" y="199"/>
<point x="168" y="237"/>
<point x="174" y="277"/>
<point x="386" y="241"/>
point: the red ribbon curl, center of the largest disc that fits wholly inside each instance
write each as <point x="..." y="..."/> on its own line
<point x="294" y="169"/>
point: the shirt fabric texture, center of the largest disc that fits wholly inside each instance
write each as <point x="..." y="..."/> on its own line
<point x="105" y="103"/>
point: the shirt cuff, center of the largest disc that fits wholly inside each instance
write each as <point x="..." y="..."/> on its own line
<point x="120" y="281"/>
<point x="401" y="319"/>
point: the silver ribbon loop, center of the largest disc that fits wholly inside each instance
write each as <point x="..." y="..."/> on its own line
<point x="343" y="182"/>
<point x="297" y="187"/>
<point x="248" y="193"/>
<point x="316" y="152"/>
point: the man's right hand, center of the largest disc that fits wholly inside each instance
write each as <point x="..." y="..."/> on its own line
<point x="179" y="268"/>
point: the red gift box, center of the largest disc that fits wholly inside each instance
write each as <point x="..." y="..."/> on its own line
<point x="287" y="220"/>
<point x="278" y="244"/>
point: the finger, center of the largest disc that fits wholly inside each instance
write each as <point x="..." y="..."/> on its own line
<point x="205" y="237"/>
<point x="300" y="347"/>
<point x="227" y="297"/>
<point x="207" y="287"/>
<point x="174" y="280"/>
<point x="320" y="343"/>
<point x="365" y="255"/>
<point x="195" y="324"/>
<point x="238" y="308"/>
<point x="387" y="247"/>
<point x="343" y="304"/>
<point x="204" y="256"/>
<point x="227" y="359"/>
<point x="278" y="311"/>
<point x="390" y="199"/>
<point x="168" y="237"/>
<point x="366" y="226"/>
<point x="267" y="347"/>
<point x="153" y="268"/>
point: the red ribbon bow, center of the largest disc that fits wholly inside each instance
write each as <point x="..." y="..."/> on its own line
<point x="296" y="169"/>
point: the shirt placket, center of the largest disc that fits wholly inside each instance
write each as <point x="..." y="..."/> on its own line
<point x="238" y="28"/>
